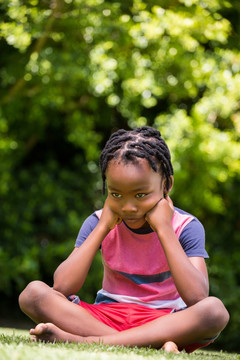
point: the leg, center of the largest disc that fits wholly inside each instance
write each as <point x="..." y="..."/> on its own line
<point x="43" y="304"/>
<point x="202" y="320"/>
<point x="49" y="332"/>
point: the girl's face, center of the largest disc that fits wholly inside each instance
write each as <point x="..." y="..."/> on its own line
<point x="133" y="190"/>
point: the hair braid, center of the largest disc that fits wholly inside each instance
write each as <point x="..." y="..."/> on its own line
<point x="143" y="142"/>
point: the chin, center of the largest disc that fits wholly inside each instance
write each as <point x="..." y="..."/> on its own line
<point x="133" y="224"/>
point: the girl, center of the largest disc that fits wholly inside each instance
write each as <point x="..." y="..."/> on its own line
<point x="155" y="284"/>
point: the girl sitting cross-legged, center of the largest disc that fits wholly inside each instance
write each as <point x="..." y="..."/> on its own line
<point x="155" y="283"/>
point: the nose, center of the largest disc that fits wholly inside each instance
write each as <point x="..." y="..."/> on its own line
<point x="129" y="207"/>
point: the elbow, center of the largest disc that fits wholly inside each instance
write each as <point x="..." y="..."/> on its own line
<point x="57" y="287"/>
<point x="200" y="293"/>
<point x="64" y="285"/>
<point x="59" y="284"/>
<point x="196" y="297"/>
<point x="194" y="300"/>
<point x="62" y="288"/>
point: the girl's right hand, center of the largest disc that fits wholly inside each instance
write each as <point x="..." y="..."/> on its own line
<point x="161" y="214"/>
<point x="108" y="217"/>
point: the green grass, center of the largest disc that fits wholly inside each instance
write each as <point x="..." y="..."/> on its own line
<point x="16" y="345"/>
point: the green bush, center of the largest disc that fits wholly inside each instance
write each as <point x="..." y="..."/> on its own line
<point x="74" y="71"/>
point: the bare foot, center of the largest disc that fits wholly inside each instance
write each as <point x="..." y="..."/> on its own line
<point x="170" y="347"/>
<point x="49" y="332"/>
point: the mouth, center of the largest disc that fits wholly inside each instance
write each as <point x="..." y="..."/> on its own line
<point x="133" y="219"/>
<point x="135" y="223"/>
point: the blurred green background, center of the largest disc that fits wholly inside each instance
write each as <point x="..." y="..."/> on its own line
<point x="74" y="71"/>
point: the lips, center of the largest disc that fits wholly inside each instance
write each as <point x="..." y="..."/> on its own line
<point x="134" y="220"/>
<point x="134" y="223"/>
<point x="131" y="219"/>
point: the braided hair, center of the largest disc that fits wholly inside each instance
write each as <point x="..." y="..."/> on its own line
<point x="143" y="142"/>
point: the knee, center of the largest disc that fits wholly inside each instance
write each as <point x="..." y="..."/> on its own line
<point x="217" y="314"/>
<point x="33" y="292"/>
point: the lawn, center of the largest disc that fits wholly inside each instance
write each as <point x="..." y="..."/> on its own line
<point x="15" y="345"/>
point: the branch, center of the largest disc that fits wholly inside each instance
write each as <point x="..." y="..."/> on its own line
<point x="56" y="13"/>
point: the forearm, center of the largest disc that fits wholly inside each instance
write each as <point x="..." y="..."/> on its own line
<point x="191" y="283"/>
<point x="71" y="274"/>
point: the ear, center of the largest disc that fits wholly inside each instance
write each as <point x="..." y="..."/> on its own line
<point x="165" y="190"/>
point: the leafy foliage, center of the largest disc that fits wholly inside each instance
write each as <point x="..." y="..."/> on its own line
<point x="72" y="71"/>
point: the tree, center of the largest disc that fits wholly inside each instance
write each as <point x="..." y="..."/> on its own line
<point x="71" y="73"/>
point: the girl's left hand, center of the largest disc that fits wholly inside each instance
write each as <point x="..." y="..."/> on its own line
<point x="161" y="214"/>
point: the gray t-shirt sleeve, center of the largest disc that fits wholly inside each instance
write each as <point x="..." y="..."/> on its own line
<point x="192" y="239"/>
<point x="87" y="227"/>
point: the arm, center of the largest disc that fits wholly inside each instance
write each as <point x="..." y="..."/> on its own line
<point x="71" y="274"/>
<point x="189" y="273"/>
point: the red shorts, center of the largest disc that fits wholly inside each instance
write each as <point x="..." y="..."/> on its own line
<point x="122" y="316"/>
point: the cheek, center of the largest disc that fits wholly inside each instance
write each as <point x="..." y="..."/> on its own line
<point x="114" y="205"/>
<point x="149" y="204"/>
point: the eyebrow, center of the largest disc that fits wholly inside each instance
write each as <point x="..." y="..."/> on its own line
<point x="144" y="188"/>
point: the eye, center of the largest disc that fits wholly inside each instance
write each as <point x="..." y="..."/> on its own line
<point x="141" y="195"/>
<point x="116" y="195"/>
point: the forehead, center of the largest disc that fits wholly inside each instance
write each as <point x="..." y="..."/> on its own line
<point x="131" y="175"/>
